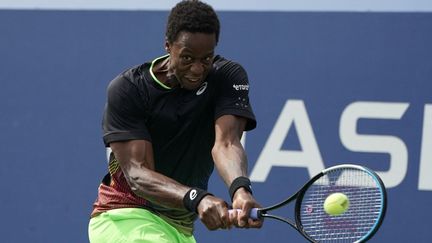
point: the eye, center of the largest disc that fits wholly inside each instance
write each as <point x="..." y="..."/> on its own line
<point x="208" y="59"/>
<point x="186" y="58"/>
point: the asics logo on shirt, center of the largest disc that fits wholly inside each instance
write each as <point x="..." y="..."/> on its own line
<point x="193" y="194"/>
<point x="241" y="87"/>
<point x="202" y="88"/>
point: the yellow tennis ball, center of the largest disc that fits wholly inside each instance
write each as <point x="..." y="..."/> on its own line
<point x="336" y="204"/>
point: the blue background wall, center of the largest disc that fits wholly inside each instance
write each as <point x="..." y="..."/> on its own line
<point x="55" y="66"/>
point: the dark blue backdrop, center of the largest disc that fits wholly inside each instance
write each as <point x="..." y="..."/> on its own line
<point x="55" y="66"/>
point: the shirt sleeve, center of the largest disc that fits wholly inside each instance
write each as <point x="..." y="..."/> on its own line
<point x="125" y="113"/>
<point x="233" y="94"/>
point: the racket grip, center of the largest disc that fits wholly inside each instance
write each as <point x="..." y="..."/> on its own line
<point x="253" y="213"/>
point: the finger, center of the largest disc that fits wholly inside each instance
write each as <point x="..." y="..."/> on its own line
<point x="232" y="217"/>
<point x="255" y="223"/>
<point x="225" y="223"/>
<point x="224" y="216"/>
<point x="243" y="217"/>
<point x="212" y="220"/>
<point x="211" y="226"/>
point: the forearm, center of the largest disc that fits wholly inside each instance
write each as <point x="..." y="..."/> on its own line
<point x="230" y="160"/>
<point x="137" y="163"/>
<point x="231" y="163"/>
<point x="156" y="187"/>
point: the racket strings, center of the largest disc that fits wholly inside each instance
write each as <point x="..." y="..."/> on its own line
<point x="365" y="198"/>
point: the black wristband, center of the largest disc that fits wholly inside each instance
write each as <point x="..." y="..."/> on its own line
<point x="193" y="197"/>
<point x="240" y="182"/>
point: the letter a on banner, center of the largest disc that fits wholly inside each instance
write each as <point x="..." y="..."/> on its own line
<point x="293" y="113"/>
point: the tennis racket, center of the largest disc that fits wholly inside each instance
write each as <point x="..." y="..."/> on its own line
<point x="367" y="199"/>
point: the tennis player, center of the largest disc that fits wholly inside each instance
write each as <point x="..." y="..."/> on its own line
<point x="169" y="122"/>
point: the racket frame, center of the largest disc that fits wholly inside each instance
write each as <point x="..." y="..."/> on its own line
<point x="298" y="196"/>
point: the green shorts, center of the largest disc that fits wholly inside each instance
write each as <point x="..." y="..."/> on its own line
<point x="133" y="225"/>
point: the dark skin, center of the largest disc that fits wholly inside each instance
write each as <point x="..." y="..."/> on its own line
<point x="191" y="57"/>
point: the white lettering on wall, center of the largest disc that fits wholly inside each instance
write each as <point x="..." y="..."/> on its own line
<point x="425" y="178"/>
<point x="370" y="143"/>
<point x="293" y="115"/>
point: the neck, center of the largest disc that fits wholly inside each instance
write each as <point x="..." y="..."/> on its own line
<point x="164" y="74"/>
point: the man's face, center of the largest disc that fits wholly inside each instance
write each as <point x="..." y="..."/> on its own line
<point x="191" y="58"/>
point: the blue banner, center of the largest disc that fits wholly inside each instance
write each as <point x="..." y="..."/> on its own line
<point x="327" y="88"/>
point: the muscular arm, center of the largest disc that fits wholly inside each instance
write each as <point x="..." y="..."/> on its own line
<point x="137" y="163"/>
<point x="231" y="162"/>
<point x="228" y="153"/>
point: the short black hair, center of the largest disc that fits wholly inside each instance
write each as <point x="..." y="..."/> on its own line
<point x="192" y="16"/>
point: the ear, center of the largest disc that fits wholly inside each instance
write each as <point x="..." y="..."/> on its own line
<point x="167" y="46"/>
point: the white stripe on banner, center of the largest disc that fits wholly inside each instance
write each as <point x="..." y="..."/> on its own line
<point x="229" y="5"/>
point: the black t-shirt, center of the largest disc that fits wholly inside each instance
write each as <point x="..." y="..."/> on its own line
<point x="179" y="123"/>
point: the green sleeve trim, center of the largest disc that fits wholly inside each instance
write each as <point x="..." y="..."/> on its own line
<point x="154" y="76"/>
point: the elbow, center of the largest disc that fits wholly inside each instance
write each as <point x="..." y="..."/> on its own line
<point x="133" y="182"/>
<point x="214" y="152"/>
<point x="139" y="186"/>
<point x="218" y="148"/>
<point x="135" y="171"/>
<point x="135" y="179"/>
<point x="223" y="147"/>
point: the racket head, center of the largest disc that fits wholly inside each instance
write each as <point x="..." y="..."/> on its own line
<point x="368" y="202"/>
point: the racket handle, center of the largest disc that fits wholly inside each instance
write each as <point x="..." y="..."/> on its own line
<point x="253" y="213"/>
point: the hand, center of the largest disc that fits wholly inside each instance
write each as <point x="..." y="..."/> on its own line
<point x="244" y="200"/>
<point x="213" y="212"/>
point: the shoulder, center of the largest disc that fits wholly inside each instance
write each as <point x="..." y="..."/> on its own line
<point x="128" y="85"/>
<point x="229" y="73"/>
<point x="222" y="66"/>
<point x="131" y="78"/>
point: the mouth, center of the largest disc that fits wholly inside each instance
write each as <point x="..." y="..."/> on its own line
<point x="192" y="82"/>
<point x="193" y="79"/>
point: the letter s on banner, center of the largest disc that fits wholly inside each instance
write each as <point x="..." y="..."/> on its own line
<point x="376" y="143"/>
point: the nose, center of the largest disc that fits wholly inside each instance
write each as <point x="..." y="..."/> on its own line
<point x="197" y="68"/>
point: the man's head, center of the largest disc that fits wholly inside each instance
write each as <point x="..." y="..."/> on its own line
<point x="191" y="37"/>
<point x="192" y="16"/>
